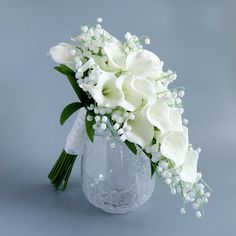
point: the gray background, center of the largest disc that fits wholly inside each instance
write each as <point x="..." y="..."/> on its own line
<point x="195" y="38"/>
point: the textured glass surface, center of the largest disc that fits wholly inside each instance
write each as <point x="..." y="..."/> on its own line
<point x="114" y="179"/>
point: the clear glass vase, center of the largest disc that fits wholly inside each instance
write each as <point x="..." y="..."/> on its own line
<point x="113" y="178"/>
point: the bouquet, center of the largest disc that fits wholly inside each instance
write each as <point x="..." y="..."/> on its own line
<point x="123" y="91"/>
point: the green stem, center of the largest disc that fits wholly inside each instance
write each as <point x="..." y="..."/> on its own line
<point x="60" y="172"/>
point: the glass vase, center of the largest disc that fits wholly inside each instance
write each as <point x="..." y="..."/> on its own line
<point x="113" y="178"/>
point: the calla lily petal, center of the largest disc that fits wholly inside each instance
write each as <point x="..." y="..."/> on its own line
<point x="142" y="131"/>
<point x="115" y="54"/>
<point x="144" y="87"/>
<point x="174" y="146"/>
<point x="158" y="115"/>
<point x="189" y="168"/>
<point x="106" y="93"/>
<point x="175" y="119"/>
<point x="64" y="53"/>
<point x="144" y="63"/>
<point x="132" y="99"/>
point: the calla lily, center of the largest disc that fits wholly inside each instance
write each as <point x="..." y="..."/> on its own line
<point x="158" y="115"/>
<point x="175" y="119"/>
<point x="64" y="53"/>
<point x="145" y="88"/>
<point x="144" y="63"/>
<point x="174" y="146"/>
<point x="189" y="168"/>
<point x="114" y="51"/>
<point x="142" y="131"/>
<point x="105" y="92"/>
<point x="132" y="100"/>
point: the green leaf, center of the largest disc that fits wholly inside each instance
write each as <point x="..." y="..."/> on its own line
<point x="69" y="110"/>
<point x="70" y="74"/>
<point x="131" y="146"/>
<point x="153" y="168"/>
<point x="89" y="127"/>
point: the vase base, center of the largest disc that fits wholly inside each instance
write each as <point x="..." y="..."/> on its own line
<point x="116" y="201"/>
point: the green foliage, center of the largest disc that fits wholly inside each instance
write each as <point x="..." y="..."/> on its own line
<point x="69" y="110"/>
<point x="70" y="74"/>
<point x="131" y="146"/>
<point x="89" y="127"/>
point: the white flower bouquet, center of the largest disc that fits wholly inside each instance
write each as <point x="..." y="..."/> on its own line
<point x="125" y="93"/>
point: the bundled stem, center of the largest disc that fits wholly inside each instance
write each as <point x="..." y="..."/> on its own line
<point x="60" y="172"/>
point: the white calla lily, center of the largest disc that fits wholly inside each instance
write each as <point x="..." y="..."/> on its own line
<point x="158" y="115"/>
<point x="105" y="92"/>
<point x="175" y="119"/>
<point x="189" y="168"/>
<point x="142" y="131"/>
<point x="144" y="63"/>
<point x="174" y="146"/>
<point x="114" y="52"/>
<point x="64" y="53"/>
<point x="144" y="87"/>
<point x="132" y="100"/>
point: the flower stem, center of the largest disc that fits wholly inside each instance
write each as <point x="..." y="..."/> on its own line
<point x="60" y="172"/>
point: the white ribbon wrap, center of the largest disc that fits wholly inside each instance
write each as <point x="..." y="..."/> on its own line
<point x="75" y="139"/>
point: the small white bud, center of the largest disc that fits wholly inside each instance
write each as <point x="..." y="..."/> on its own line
<point x="116" y="126"/>
<point x="89" y="118"/>
<point x="185" y="121"/>
<point x="84" y="28"/>
<point x="97" y="119"/>
<point x="128" y="36"/>
<point x="207" y="194"/>
<point x="112" y="145"/>
<point x="103" y="126"/>
<point x="159" y="169"/>
<point x="168" y="181"/>
<point x="104" y="119"/>
<point x="198" y="214"/>
<point x="199" y="150"/>
<point x="147" y="40"/>
<point x="195" y="206"/>
<point x="182" y="211"/>
<point x="120" y="131"/>
<point x="181" y="93"/>
<point x="99" y="19"/>
<point x="173" y="191"/>
<point x="122" y="138"/>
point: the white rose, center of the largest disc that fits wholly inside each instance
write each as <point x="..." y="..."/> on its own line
<point x="64" y="53"/>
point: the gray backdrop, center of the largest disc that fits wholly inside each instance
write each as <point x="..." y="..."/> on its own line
<point x="195" y="38"/>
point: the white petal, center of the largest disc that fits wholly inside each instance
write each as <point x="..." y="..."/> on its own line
<point x="142" y="131"/>
<point x="144" y="63"/>
<point x="114" y="51"/>
<point x="106" y="93"/>
<point x="189" y="168"/>
<point x="144" y="87"/>
<point x="174" y="146"/>
<point x="64" y="53"/>
<point x="175" y="120"/>
<point x="132" y="99"/>
<point x="158" y="115"/>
